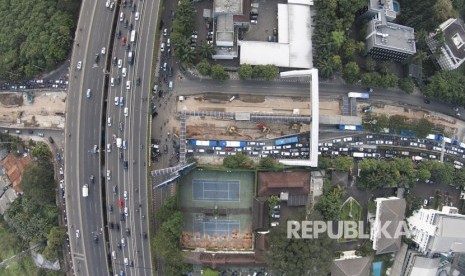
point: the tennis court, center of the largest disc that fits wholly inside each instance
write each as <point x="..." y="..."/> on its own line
<point x="216" y="227"/>
<point x="216" y="190"/>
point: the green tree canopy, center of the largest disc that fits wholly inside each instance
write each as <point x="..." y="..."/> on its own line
<point x="299" y="256"/>
<point x="424" y="174"/>
<point x="245" y="72"/>
<point x="35" y="35"/>
<point x="351" y="72"/>
<point x="237" y="161"/>
<point x="447" y="86"/>
<point x="55" y="240"/>
<point x="268" y="162"/>
<point x="329" y="204"/>
<point x="406" y="85"/>
<point x="38" y="183"/>
<point x="343" y="163"/>
<point x="218" y="73"/>
<point x="41" y="152"/>
<point x="206" y="50"/>
<point x="204" y="68"/>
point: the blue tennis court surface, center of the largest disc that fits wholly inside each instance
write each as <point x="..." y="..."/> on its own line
<point x="219" y="227"/>
<point x="216" y="190"/>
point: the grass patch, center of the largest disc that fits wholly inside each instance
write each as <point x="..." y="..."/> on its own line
<point x="350" y="211"/>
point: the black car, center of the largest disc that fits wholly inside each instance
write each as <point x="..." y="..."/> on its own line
<point x="122" y="217"/>
<point x="115" y="61"/>
<point x="111" y="225"/>
<point x="118" y="34"/>
<point x="125" y="164"/>
<point x="97" y="58"/>
<point x="134" y="7"/>
<point x="171" y="72"/>
<point x="126" y="23"/>
<point x="128" y="232"/>
<point x="138" y="81"/>
<point x="119" y="246"/>
<point x="128" y="47"/>
<point x="130" y="27"/>
<point x="427" y="101"/>
<point x="110" y="208"/>
<point x="117" y="226"/>
<point x="145" y="235"/>
<point x="92" y="178"/>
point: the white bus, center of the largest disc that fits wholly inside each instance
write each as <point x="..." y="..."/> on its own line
<point x="133" y="36"/>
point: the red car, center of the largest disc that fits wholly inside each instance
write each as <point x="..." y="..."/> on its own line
<point x="123" y="40"/>
<point x="120" y="203"/>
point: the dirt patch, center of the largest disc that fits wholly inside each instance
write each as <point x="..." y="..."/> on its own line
<point x="252" y="99"/>
<point x="11" y="99"/>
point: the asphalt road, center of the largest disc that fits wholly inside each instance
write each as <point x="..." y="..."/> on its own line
<point x="328" y="89"/>
<point x="83" y="126"/>
<point x="133" y="130"/>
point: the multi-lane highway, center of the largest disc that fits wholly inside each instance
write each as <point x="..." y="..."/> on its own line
<point x="135" y="89"/>
<point x="85" y="129"/>
<point x="82" y="133"/>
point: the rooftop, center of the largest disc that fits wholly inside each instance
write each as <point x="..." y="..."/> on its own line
<point x="274" y="183"/>
<point x="14" y="167"/>
<point x="387" y="6"/>
<point x="351" y="267"/>
<point x="227" y="7"/>
<point x="391" y="36"/>
<point x="449" y="234"/>
<point x="392" y="210"/>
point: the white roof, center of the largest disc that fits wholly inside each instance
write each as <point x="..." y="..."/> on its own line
<point x="260" y="52"/>
<point x="294" y="47"/>
<point x="301" y="2"/>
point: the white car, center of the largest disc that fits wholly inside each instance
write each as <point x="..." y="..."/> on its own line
<point x="137" y="16"/>
<point x="162" y="47"/>
<point x="108" y="174"/>
<point x="124" y="72"/>
<point x="128" y="85"/>
<point x="108" y="147"/>
<point x="120" y="63"/>
<point x="126" y="261"/>
<point x="107" y="4"/>
<point x="126" y="211"/>
<point x="125" y="195"/>
<point x="126" y="112"/>
<point x="112" y="82"/>
<point x="79" y="65"/>
<point x="116" y="100"/>
<point x="165" y="32"/>
<point x="78" y="234"/>
<point x="104" y="51"/>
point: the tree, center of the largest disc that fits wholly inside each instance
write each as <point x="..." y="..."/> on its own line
<point x="237" y="161"/>
<point x="329" y="204"/>
<point x="351" y="72"/>
<point x="204" y="68"/>
<point x="447" y="86"/>
<point x="337" y="62"/>
<point x="210" y="272"/>
<point x="343" y="163"/>
<point x="370" y="64"/>
<point x="389" y="80"/>
<point x="184" y="53"/>
<point x="299" y="256"/>
<point x="245" y="72"/>
<point x="459" y="178"/>
<point x="218" y="73"/>
<point x="324" y="163"/>
<point x="38" y="183"/>
<point x="406" y="84"/>
<point x="272" y="202"/>
<point x="207" y="50"/>
<point x="338" y="38"/>
<point x="268" y="162"/>
<point x="41" y="152"/>
<point x="443" y="10"/>
<point x="424" y="174"/>
<point x="55" y="241"/>
<point x="270" y="72"/>
<point x="326" y="67"/>
<point x="397" y="122"/>
<point x="423" y="128"/>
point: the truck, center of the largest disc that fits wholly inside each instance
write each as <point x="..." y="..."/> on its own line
<point x="133" y="36"/>
<point x="358" y="95"/>
<point x="119" y="142"/>
<point x="358" y="154"/>
<point x="85" y="190"/>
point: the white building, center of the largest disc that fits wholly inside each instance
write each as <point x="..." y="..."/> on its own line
<point x="450" y="53"/>
<point x="388" y="210"/>
<point x="438" y="231"/>
<point x="294" y="46"/>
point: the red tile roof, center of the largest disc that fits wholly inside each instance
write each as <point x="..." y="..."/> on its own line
<point x="14" y="167"/>
<point x="273" y="183"/>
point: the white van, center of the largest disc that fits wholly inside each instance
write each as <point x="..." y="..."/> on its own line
<point x="128" y="85"/>
<point x="121" y="16"/>
<point x="126" y="111"/>
<point x="88" y="93"/>
<point x="109" y="121"/>
<point x="170" y="86"/>
<point x="113" y="254"/>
